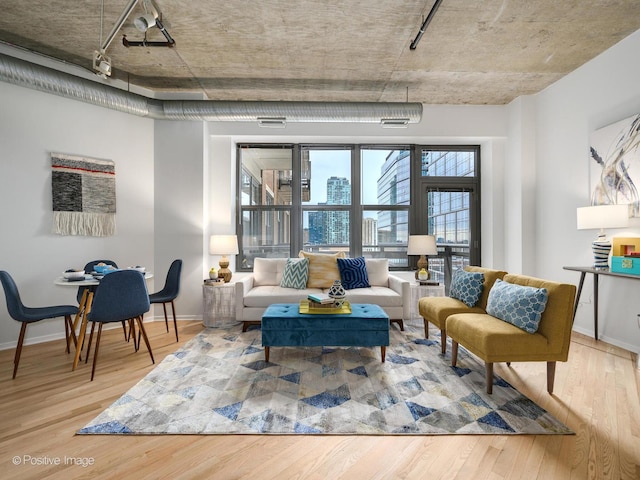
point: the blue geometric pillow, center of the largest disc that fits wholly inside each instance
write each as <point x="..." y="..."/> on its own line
<point x="519" y="305"/>
<point x="467" y="286"/>
<point x="353" y="273"/>
<point x="296" y="273"/>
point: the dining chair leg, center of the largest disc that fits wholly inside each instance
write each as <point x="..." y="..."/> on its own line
<point x="95" y="355"/>
<point x="67" y="334"/>
<point x="124" y="329"/>
<point x="144" y="335"/>
<point x="16" y="359"/>
<point x="175" y="324"/>
<point x="93" y="325"/>
<point x="132" y="332"/>
<point x="72" y="333"/>
<point x="166" y="319"/>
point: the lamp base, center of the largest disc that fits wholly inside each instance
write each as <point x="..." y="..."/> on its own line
<point x="601" y="248"/>
<point x="224" y="271"/>
<point x="422" y="263"/>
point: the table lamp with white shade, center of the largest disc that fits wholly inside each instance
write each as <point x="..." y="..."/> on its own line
<point x="223" y="245"/>
<point x="601" y="217"/>
<point x="422" y="245"/>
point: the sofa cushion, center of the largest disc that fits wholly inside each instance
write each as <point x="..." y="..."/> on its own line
<point x="467" y="286"/>
<point x="268" y="271"/>
<point x="353" y="273"/>
<point x="323" y="268"/>
<point x="265" y="295"/>
<point x="383" y="296"/>
<point x="377" y="271"/>
<point x="518" y="305"/>
<point x="296" y="273"/>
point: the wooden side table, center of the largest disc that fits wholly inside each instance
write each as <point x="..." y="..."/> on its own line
<point x="218" y="305"/>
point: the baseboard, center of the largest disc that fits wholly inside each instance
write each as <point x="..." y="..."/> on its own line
<point x="60" y="336"/>
<point x="611" y="341"/>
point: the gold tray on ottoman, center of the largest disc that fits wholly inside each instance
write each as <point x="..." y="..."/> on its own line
<point x="307" y="307"/>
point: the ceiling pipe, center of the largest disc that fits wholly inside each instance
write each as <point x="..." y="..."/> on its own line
<point x="37" y="77"/>
<point x="425" y="24"/>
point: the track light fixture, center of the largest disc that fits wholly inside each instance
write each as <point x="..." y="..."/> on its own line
<point x="145" y="22"/>
<point x="101" y="64"/>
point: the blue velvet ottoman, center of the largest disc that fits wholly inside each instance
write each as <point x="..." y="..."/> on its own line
<point x="284" y="326"/>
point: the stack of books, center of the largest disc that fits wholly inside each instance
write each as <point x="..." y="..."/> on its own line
<point x="320" y="300"/>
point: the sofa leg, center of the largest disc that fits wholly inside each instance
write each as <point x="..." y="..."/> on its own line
<point x="400" y="323"/>
<point x="454" y="353"/>
<point x="443" y="341"/>
<point x="488" y="366"/>
<point x="551" y="375"/>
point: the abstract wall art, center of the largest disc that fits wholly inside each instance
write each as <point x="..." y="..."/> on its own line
<point x="615" y="164"/>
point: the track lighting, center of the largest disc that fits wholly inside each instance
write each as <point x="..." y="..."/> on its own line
<point x="101" y="64"/>
<point x="145" y="22"/>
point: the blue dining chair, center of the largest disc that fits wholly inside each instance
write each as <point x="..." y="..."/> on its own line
<point x="122" y="297"/>
<point x="88" y="268"/>
<point x="169" y="293"/>
<point x="28" y="315"/>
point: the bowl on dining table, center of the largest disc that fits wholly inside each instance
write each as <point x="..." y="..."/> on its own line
<point x="103" y="269"/>
<point x="73" y="274"/>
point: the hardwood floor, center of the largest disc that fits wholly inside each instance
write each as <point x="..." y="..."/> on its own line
<point x="596" y="394"/>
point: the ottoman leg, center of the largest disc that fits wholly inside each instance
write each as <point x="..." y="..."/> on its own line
<point x="266" y="354"/>
<point x="383" y="352"/>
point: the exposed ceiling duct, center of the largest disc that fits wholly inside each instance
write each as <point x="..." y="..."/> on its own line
<point x="29" y="75"/>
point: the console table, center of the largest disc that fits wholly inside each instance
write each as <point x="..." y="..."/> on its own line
<point x="596" y="272"/>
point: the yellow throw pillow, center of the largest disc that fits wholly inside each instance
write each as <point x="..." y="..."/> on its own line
<point x="323" y="268"/>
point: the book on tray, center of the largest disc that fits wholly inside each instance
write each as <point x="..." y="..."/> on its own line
<point x="321" y="298"/>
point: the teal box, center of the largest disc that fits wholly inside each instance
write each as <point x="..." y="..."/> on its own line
<point x="630" y="265"/>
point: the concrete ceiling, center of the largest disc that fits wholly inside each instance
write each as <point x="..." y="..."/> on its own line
<point x="473" y="52"/>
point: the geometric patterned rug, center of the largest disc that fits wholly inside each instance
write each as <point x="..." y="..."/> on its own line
<point x="219" y="383"/>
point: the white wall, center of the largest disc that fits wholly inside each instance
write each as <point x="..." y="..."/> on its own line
<point x="32" y="125"/>
<point x="180" y="149"/>
<point x="602" y="92"/>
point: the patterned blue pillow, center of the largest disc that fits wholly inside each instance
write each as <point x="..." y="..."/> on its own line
<point x="467" y="286"/>
<point x="296" y="273"/>
<point x="519" y="305"/>
<point x="353" y="273"/>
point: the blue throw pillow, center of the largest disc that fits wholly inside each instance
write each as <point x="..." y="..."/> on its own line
<point x="353" y="273"/>
<point x="519" y="305"/>
<point x="467" y="286"/>
<point x="296" y="273"/>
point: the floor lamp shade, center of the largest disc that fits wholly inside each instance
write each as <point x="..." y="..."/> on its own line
<point x="599" y="217"/>
<point x="223" y="245"/>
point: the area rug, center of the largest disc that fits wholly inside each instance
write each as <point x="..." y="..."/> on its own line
<point x="219" y="383"/>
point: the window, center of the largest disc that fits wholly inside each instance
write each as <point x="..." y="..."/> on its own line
<point x="360" y="199"/>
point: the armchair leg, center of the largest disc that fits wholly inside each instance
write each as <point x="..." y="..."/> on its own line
<point x="551" y="375"/>
<point x="443" y="341"/>
<point x="16" y="359"/>
<point x="454" y="353"/>
<point x="426" y="328"/>
<point x="489" y="376"/>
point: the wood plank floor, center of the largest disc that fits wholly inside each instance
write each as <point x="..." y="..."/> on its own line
<point x="596" y="395"/>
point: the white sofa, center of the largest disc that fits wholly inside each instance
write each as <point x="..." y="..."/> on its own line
<point x="255" y="292"/>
